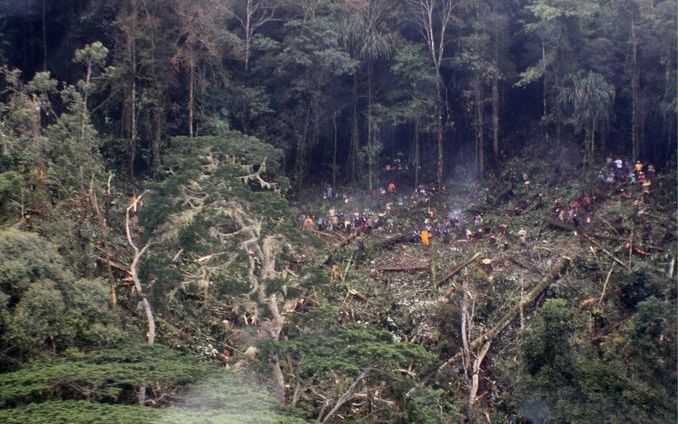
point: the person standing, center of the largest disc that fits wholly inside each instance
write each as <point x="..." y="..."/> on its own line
<point x="425" y="235"/>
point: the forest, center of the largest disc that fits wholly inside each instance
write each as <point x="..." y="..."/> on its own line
<point x="338" y="211"/>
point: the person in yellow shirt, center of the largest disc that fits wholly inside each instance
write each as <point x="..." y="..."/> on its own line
<point x="425" y="235"/>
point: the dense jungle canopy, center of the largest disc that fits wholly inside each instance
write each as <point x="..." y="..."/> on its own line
<point x="344" y="211"/>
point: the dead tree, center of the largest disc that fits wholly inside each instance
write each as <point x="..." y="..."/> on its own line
<point x="134" y="272"/>
<point x="134" y="267"/>
<point x="471" y="360"/>
<point x="505" y="320"/>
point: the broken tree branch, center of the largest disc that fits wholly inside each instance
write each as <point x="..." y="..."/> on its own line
<point x="348" y="394"/>
<point x="134" y="268"/>
<point x="256" y="176"/>
<point x="505" y="320"/>
<point x="614" y="258"/>
<point x="607" y="280"/>
<point x="457" y="270"/>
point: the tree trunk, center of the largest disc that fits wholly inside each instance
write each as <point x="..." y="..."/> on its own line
<point x="668" y="116"/>
<point x="334" y="150"/>
<point x="559" y="112"/>
<point x="157" y="137"/>
<point x="593" y="143"/>
<point x="544" y="90"/>
<point x="506" y="319"/>
<point x="84" y="111"/>
<point x="132" y="51"/>
<point x="300" y="161"/>
<point x="480" y="128"/>
<point x="277" y="322"/>
<point x="248" y="33"/>
<point x="355" y="137"/>
<point x="133" y="128"/>
<point x="635" y="93"/>
<point x="191" y="98"/>
<point x="495" y="120"/>
<point x="134" y="272"/>
<point x="439" y="130"/>
<point x="370" y="131"/>
<point x="44" y="35"/>
<point x="417" y="164"/>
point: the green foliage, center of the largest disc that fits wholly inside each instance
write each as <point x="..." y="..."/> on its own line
<point x="351" y="349"/>
<point x="547" y="347"/>
<point x="106" y="375"/>
<point x="78" y="412"/>
<point x="10" y="183"/>
<point x="431" y="406"/>
<point x="91" y="54"/>
<point x="45" y="305"/>
<point x="640" y="284"/>
<point x="590" y="97"/>
<point x="567" y="383"/>
<point x="222" y="398"/>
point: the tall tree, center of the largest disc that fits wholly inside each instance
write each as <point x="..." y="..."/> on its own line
<point x="590" y="98"/>
<point x="433" y="18"/>
<point x="369" y="38"/>
<point x="251" y="15"/>
<point x="558" y="27"/>
<point x="200" y="38"/>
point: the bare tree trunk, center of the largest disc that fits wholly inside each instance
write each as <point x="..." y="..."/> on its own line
<point x="345" y="397"/>
<point x="495" y="119"/>
<point x="133" y="95"/>
<point x="134" y="272"/>
<point x="515" y="311"/>
<point x="635" y="93"/>
<point x="417" y="163"/>
<point x="334" y="149"/>
<point x="668" y="116"/>
<point x="191" y="98"/>
<point x="429" y="24"/>
<point x="248" y="33"/>
<point x="256" y="14"/>
<point x="593" y="143"/>
<point x="475" y="380"/>
<point x="44" y="35"/>
<point x="355" y="137"/>
<point x="480" y="128"/>
<point x="133" y="128"/>
<point x="544" y="89"/>
<point x="134" y="268"/>
<point x="157" y="137"/>
<point x="439" y="134"/>
<point x="559" y="112"/>
<point x="370" y="130"/>
<point x="277" y="322"/>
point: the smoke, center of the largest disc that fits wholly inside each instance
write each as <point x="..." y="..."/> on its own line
<point x="225" y="397"/>
<point x="536" y="411"/>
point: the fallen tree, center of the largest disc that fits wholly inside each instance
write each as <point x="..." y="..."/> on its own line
<point x="457" y="270"/>
<point x="506" y="319"/>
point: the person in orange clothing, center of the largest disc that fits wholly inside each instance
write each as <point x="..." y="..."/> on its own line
<point x="425" y="237"/>
<point x="391" y="187"/>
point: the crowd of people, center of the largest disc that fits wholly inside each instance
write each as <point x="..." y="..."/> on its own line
<point x="620" y="171"/>
<point x="342" y="213"/>
<point x="345" y="216"/>
<point x="617" y="176"/>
